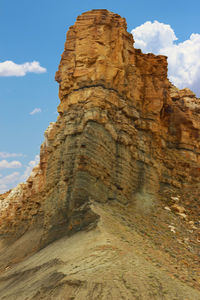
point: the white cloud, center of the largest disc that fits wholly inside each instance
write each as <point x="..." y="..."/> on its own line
<point x="4" y="164"/>
<point x="151" y="37"/>
<point x="35" y="111"/>
<point x="3" y="188"/>
<point x="11" y="178"/>
<point x="183" y="58"/>
<point x="8" y="180"/>
<point x="7" y="154"/>
<point x="29" y="168"/>
<point x="9" y="68"/>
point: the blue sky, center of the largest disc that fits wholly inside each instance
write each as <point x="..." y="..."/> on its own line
<point x="35" y="30"/>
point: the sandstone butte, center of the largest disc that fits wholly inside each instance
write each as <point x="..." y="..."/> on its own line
<point x="112" y="209"/>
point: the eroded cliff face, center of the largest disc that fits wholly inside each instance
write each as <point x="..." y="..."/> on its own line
<point x="124" y="135"/>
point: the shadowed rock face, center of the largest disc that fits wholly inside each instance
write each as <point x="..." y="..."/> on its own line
<point x="125" y="144"/>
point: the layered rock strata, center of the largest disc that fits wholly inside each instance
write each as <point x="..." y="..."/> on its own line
<point x="124" y="135"/>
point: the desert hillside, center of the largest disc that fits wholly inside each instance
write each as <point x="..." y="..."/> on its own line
<point x="112" y="210"/>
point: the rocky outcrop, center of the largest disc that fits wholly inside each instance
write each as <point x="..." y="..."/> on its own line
<point x="125" y="144"/>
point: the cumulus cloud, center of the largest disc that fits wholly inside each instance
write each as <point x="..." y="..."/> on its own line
<point x="7" y="181"/>
<point x="7" y="154"/>
<point x="9" y="68"/>
<point x="183" y="58"/>
<point x="3" y="188"/>
<point x="151" y="37"/>
<point x="4" y="164"/>
<point x="11" y="180"/>
<point x="35" y="111"/>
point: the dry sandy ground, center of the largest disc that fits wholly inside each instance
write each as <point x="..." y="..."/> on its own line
<point x="127" y="256"/>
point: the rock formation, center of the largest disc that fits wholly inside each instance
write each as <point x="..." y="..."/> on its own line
<point x="114" y="201"/>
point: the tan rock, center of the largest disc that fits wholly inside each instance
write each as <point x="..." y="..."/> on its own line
<point x="178" y="208"/>
<point x="124" y="142"/>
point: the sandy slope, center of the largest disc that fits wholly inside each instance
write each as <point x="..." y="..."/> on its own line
<point x="127" y="256"/>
